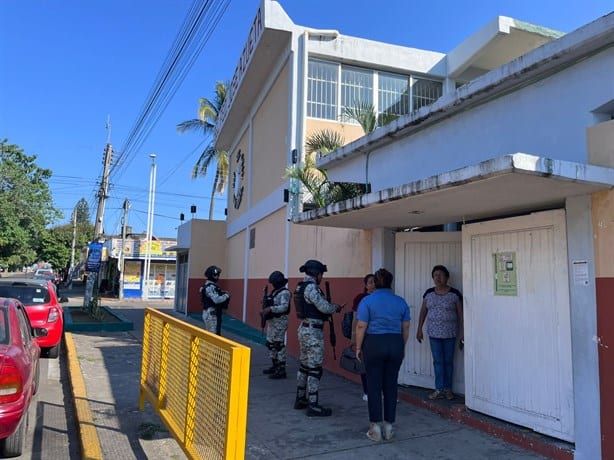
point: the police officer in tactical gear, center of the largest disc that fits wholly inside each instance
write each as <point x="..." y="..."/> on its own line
<point x="276" y="314"/>
<point x="213" y="300"/>
<point x="313" y="311"/>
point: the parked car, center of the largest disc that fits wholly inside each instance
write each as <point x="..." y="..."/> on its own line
<point x="41" y="301"/>
<point x="19" y="374"/>
<point x="43" y="271"/>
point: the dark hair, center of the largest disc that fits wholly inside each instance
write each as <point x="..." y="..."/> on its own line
<point x="383" y="279"/>
<point x="442" y="269"/>
<point x="366" y="279"/>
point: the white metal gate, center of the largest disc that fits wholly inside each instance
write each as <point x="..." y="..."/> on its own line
<point x="416" y="255"/>
<point x="517" y="322"/>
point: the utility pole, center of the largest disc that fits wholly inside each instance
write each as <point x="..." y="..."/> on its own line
<point x="102" y="194"/>
<point x="72" y="247"/>
<point x="120" y="266"/>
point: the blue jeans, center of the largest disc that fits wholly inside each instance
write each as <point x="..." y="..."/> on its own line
<point x="443" y="361"/>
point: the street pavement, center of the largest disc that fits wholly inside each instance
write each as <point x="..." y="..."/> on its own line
<point x="110" y="365"/>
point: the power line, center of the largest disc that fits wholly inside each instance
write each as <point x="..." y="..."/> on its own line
<point x="198" y="26"/>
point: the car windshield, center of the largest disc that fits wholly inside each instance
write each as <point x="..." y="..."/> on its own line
<point x="4" y="337"/>
<point x="27" y="295"/>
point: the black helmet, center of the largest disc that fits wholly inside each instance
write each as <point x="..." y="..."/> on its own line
<point x="213" y="272"/>
<point x="313" y="267"/>
<point x="277" y="279"/>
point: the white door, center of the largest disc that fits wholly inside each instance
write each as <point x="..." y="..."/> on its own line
<point x="517" y="323"/>
<point x="416" y="255"/>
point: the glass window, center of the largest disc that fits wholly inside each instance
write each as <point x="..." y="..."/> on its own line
<point x="322" y="90"/>
<point x="356" y="87"/>
<point x="393" y="94"/>
<point x="425" y="92"/>
<point x="327" y="96"/>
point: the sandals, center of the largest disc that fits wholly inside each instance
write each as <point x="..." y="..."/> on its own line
<point x="374" y="433"/>
<point x="387" y="431"/>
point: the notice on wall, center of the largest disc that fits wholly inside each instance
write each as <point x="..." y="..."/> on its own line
<point x="506" y="277"/>
<point x="580" y="272"/>
<point x="132" y="274"/>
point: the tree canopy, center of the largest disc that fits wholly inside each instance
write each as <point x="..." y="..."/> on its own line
<point x="26" y="205"/>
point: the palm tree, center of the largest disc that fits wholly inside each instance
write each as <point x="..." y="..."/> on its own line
<point x="208" y="112"/>
<point x="364" y="114"/>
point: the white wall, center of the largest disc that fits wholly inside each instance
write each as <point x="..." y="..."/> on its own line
<point x="548" y="118"/>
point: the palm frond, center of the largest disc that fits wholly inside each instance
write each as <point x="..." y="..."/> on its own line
<point x="324" y="141"/>
<point x="363" y="113"/>
<point x="385" y="118"/>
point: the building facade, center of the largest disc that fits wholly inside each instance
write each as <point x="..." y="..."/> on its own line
<point x="498" y="165"/>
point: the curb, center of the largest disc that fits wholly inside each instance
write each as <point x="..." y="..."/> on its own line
<point x="88" y="436"/>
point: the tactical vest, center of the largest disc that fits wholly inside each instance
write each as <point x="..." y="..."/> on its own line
<point x="207" y="302"/>
<point x="305" y="309"/>
<point x="270" y="301"/>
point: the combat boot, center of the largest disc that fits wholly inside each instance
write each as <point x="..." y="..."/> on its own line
<point x="315" y="410"/>
<point x="271" y="370"/>
<point x="280" y="371"/>
<point x="301" y="401"/>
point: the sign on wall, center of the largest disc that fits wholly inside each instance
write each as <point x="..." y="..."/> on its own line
<point x="506" y="280"/>
<point x="132" y="274"/>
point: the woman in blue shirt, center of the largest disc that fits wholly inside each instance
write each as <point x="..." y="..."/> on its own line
<point x="382" y="329"/>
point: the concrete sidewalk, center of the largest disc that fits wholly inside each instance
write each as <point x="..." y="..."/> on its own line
<point x="110" y="365"/>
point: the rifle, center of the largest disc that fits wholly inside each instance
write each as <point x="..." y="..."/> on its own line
<point x="331" y="323"/>
<point x="263" y="318"/>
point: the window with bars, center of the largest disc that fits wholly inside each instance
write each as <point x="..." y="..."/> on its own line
<point x="356" y="86"/>
<point x="397" y="94"/>
<point x="322" y="90"/>
<point x="393" y="94"/>
<point x="425" y="92"/>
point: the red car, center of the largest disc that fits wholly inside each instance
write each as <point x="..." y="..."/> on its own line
<point x="19" y="373"/>
<point x="39" y="296"/>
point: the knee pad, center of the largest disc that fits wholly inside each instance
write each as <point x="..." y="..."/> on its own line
<point x="270" y="345"/>
<point x="277" y="346"/>
<point x="315" y="372"/>
<point x="303" y="370"/>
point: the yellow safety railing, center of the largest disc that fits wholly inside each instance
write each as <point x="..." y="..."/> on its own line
<point x="198" y="383"/>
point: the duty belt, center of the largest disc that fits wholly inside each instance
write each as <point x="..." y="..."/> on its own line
<point x="314" y="325"/>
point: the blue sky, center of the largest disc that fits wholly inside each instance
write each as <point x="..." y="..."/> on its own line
<point x="70" y="64"/>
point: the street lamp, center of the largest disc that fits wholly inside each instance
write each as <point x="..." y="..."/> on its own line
<point x="150" y="218"/>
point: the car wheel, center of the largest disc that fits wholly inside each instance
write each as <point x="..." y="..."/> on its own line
<point x="53" y="352"/>
<point x="13" y="445"/>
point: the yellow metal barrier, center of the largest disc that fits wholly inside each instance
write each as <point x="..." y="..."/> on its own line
<point x="198" y="383"/>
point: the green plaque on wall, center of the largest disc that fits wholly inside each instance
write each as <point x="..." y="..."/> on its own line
<point x="506" y="277"/>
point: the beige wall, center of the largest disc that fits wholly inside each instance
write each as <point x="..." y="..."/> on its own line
<point x="600" y="144"/>
<point x="234" y="165"/>
<point x="350" y="131"/>
<point x="603" y="229"/>
<point x="268" y="252"/>
<point x="207" y="246"/>
<point x="346" y="252"/>
<point x="236" y="256"/>
<point x="270" y="143"/>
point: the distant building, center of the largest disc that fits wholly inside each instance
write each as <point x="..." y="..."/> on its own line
<point x="162" y="271"/>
